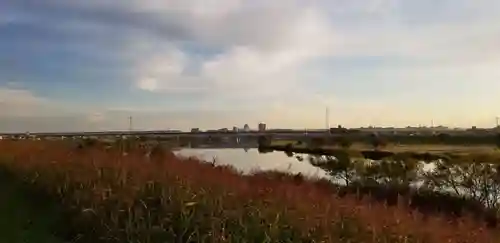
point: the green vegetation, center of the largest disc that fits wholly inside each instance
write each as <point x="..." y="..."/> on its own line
<point x="112" y="196"/>
<point x="488" y="139"/>
<point x="454" y="187"/>
<point x="294" y="143"/>
<point x="376" y="147"/>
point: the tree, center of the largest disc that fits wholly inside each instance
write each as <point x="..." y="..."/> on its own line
<point x="340" y="166"/>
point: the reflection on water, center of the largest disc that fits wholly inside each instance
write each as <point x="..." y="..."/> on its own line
<point x="441" y="185"/>
<point x="247" y="160"/>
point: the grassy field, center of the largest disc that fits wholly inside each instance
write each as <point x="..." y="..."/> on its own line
<point x="433" y="148"/>
<point x="483" y="153"/>
<point x="108" y="196"/>
<point x="408" y="148"/>
<point x="294" y="143"/>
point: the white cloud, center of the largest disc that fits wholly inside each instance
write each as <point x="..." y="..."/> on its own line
<point x="96" y="117"/>
<point x="258" y="61"/>
<point x="265" y="49"/>
<point x="22" y="103"/>
<point x="19" y="96"/>
<point x="149" y="84"/>
<point x="19" y="102"/>
<point x="265" y="46"/>
<point x="158" y="72"/>
<point x="260" y="52"/>
<point x="195" y="7"/>
<point x="165" y="71"/>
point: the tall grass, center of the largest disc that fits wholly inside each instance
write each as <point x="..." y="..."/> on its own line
<point x="108" y="197"/>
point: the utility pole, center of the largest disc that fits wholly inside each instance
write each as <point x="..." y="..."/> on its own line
<point x="130" y="123"/>
<point x="497" y="121"/>
<point x="327" y="118"/>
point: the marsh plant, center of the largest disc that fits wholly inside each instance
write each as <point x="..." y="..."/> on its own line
<point x="106" y="197"/>
<point x="466" y="186"/>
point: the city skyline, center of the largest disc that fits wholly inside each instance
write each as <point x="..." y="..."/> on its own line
<point x="90" y="65"/>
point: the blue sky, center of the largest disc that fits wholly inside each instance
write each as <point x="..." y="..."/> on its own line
<point x="88" y="65"/>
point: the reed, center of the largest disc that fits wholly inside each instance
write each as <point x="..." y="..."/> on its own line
<point x="106" y="196"/>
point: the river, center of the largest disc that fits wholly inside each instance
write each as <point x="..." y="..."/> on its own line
<point x="477" y="182"/>
<point x="250" y="160"/>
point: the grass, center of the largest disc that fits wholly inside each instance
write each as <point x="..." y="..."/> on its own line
<point x="21" y="219"/>
<point x="294" y="143"/>
<point x="106" y="196"/>
<point x="478" y="153"/>
<point x="422" y="148"/>
<point x="433" y="148"/>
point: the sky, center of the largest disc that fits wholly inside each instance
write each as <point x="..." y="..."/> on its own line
<point x="175" y="64"/>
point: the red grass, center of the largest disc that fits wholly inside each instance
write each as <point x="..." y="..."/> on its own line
<point x="307" y="206"/>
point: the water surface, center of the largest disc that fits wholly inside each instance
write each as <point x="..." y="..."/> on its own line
<point x="250" y="159"/>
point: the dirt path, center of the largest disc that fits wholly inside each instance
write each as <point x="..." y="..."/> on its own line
<point x="22" y="220"/>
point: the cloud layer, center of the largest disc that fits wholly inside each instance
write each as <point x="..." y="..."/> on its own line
<point x="218" y="63"/>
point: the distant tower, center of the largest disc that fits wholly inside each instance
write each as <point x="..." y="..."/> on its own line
<point x="130" y="123"/>
<point x="497" y="121"/>
<point x="327" y="118"/>
<point x="262" y="127"/>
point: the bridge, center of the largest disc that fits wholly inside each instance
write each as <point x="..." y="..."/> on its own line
<point x="164" y="134"/>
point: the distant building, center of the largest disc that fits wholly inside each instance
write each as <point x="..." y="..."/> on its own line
<point x="262" y="127"/>
<point x="338" y="130"/>
<point x="235" y="129"/>
<point x="173" y="131"/>
<point x="246" y="128"/>
<point x="194" y="130"/>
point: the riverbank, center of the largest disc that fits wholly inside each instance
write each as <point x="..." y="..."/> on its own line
<point x="109" y="196"/>
<point x="488" y="154"/>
